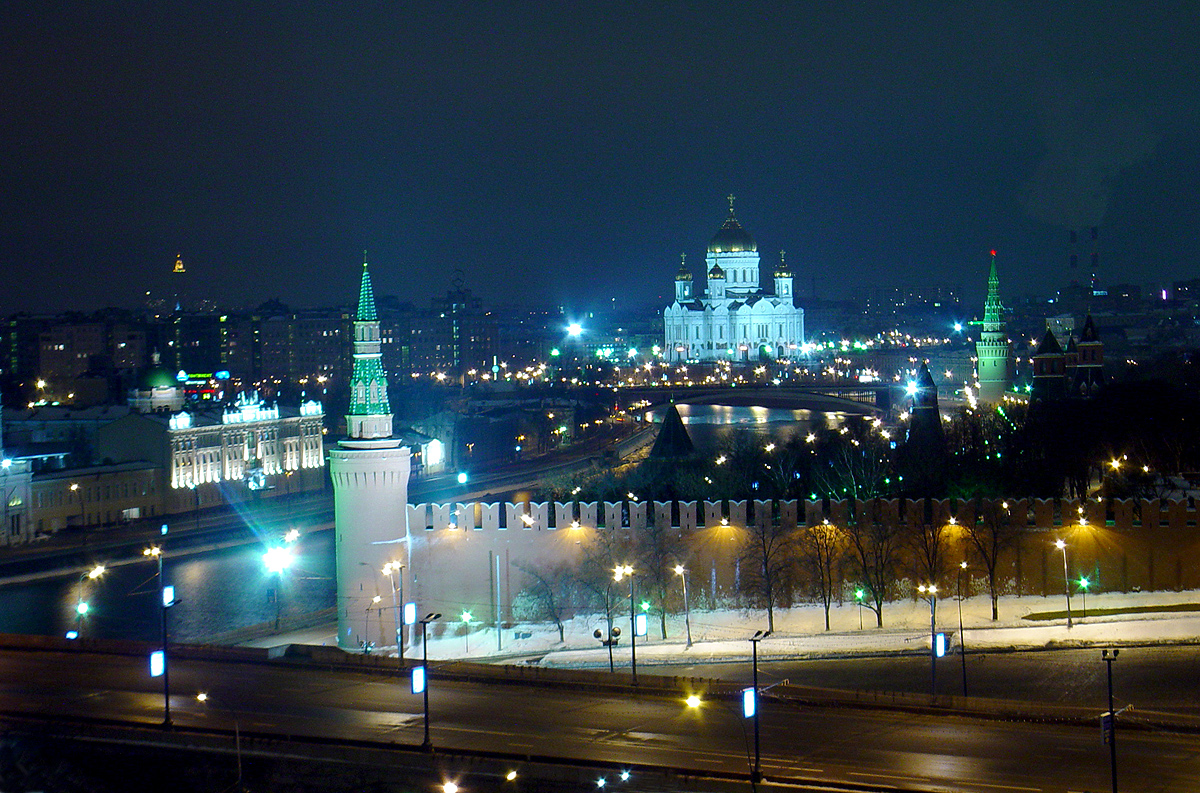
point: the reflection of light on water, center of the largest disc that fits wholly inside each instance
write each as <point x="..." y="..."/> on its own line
<point x="736" y="415"/>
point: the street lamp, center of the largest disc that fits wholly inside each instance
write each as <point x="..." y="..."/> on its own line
<point x="1109" y="720"/>
<point x="930" y="591"/>
<point x="81" y="605"/>
<point x="277" y="559"/>
<point x="756" y="772"/>
<point x="626" y="571"/>
<point x="367" y="643"/>
<point x="203" y="697"/>
<point x="859" y="595"/>
<point x="75" y="490"/>
<point x="1084" y="583"/>
<point x="466" y="620"/>
<point x="962" y="642"/>
<point x="390" y="569"/>
<point x="167" y="599"/>
<point x="1062" y="546"/>
<point x="427" y="745"/>
<point x="681" y="571"/>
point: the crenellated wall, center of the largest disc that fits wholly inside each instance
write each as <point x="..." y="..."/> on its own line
<point x="469" y="556"/>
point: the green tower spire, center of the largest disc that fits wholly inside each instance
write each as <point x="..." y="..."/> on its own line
<point x="370" y="414"/>
<point x="993" y="352"/>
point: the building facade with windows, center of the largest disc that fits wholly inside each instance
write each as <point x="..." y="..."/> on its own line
<point x="250" y="443"/>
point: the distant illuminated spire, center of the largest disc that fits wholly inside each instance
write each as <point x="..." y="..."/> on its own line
<point x="730" y="197"/>
<point x="179" y="264"/>
<point x="993" y="352"/>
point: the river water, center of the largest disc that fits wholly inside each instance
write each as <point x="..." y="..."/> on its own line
<point x="714" y="426"/>
<point x="217" y="591"/>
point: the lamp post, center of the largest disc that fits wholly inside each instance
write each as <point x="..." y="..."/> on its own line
<point x="858" y="595"/>
<point x="427" y="744"/>
<point x="1111" y="733"/>
<point x="756" y="772"/>
<point x="166" y="600"/>
<point x="367" y="643"/>
<point x="466" y="621"/>
<point x="196" y="511"/>
<point x="237" y="738"/>
<point x="626" y="571"/>
<point x="277" y="559"/>
<point x="390" y="569"/>
<point x="79" y="495"/>
<point x="81" y="605"/>
<point x="962" y="641"/>
<point x="681" y="571"/>
<point x="1084" y="583"/>
<point x="1062" y="546"/>
<point x="930" y="591"/>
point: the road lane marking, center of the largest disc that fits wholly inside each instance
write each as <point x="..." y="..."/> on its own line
<point x="890" y="776"/>
<point x="1002" y="787"/>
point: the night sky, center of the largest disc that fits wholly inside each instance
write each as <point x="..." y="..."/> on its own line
<point x="564" y="153"/>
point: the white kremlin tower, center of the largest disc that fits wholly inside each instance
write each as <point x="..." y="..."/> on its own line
<point x="370" y="493"/>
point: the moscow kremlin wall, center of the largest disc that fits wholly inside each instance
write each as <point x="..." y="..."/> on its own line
<point x="468" y="556"/>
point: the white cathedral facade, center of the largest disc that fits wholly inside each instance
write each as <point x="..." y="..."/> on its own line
<point x="736" y="319"/>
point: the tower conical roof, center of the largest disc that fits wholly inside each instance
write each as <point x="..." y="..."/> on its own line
<point x="366" y="296"/>
<point x="1089" y="333"/>
<point x="1049" y="345"/>
<point x="673" y="439"/>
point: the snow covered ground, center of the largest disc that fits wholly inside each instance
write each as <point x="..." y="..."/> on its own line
<point x="799" y="631"/>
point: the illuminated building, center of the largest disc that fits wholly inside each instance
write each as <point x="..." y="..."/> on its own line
<point x="737" y="319"/>
<point x="203" y="449"/>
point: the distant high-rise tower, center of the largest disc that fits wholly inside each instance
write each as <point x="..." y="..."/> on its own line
<point x="993" y="351"/>
<point x="370" y="472"/>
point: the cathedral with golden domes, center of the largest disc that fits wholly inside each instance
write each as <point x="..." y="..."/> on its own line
<point x="736" y="319"/>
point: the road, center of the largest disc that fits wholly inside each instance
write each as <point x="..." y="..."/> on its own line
<point x="1163" y="679"/>
<point x="885" y="750"/>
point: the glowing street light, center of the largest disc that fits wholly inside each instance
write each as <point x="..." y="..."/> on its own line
<point x="681" y="571"/>
<point x="390" y="570"/>
<point x="1062" y="546"/>
<point x="626" y="571"/>
<point x="277" y="559"/>
<point x="1084" y="583"/>
<point x="930" y="591"/>
<point x="82" y="607"/>
<point x="962" y="643"/>
<point x="420" y="675"/>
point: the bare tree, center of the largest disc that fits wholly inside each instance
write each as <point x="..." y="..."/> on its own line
<point x="603" y="550"/>
<point x="992" y="534"/>
<point x="549" y="597"/>
<point x="875" y="540"/>
<point x="766" y="559"/>
<point x="820" y="549"/>
<point x="929" y="542"/>
<point x="658" y="548"/>
<point x="852" y="462"/>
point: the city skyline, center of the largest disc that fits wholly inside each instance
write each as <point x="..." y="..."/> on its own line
<point x="585" y="148"/>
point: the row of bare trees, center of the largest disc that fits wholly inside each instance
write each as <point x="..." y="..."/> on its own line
<point x="874" y="551"/>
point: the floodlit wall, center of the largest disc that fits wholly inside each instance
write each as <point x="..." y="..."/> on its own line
<point x="473" y="556"/>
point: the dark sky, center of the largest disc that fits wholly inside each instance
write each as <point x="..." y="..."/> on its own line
<point x="567" y="153"/>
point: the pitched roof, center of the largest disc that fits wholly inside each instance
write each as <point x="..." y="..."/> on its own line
<point x="673" y="440"/>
